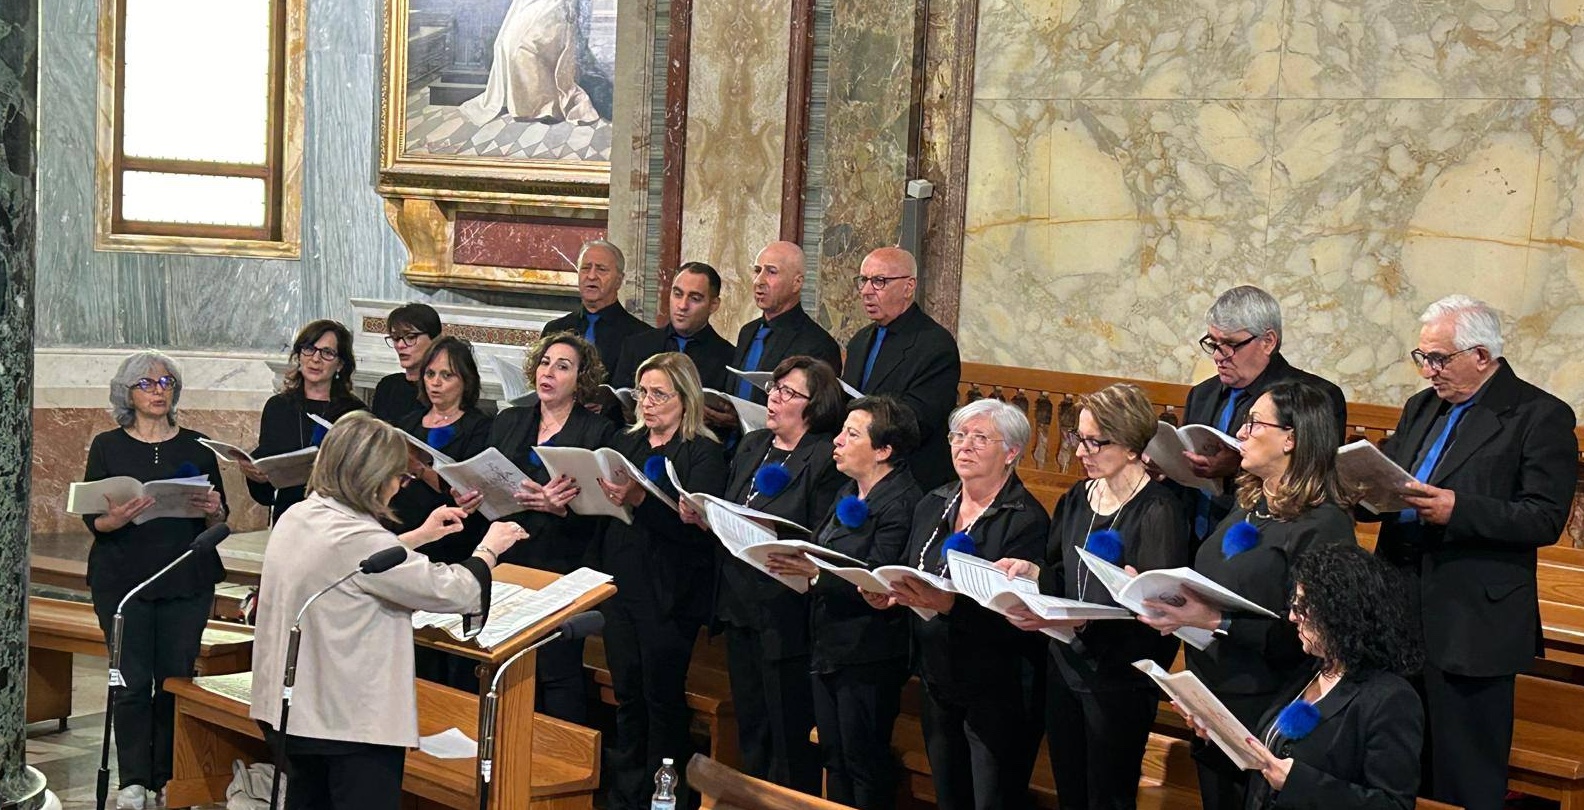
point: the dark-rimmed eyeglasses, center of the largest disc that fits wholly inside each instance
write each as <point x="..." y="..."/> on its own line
<point x="1436" y="361"/>
<point x="324" y="353"/>
<point x="785" y="391"/>
<point x="1252" y="425"/>
<point x="404" y="340"/>
<point x="878" y="282"/>
<point x="1089" y="443"/>
<point x="147" y="384"/>
<point x="1216" y="348"/>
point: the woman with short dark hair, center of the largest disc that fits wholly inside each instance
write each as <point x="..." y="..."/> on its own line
<point x="318" y="383"/>
<point x="451" y="422"/>
<point x="785" y="470"/>
<point x="1289" y="503"/>
<point x="409" y="329"/>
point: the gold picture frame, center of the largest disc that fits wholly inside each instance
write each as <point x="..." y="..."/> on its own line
<point x="537" y="184"/>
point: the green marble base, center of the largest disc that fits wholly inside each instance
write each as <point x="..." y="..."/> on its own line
<point x="31" y="793"/>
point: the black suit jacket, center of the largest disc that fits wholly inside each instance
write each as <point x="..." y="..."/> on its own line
<point x="1513" y="464"/>
<point x="1206" y="400"/>
<point x="747" y="597"/>
<point x="972" y="651"/>
<point x="710" y="353"/>
<point x="791" y="333"/>
<point x="658" y="561"/>
<point x="1364" y="754"/>
<point x="558" y="543"/>
<point x="919" y="365"/>
<point x="615" y="325"/>
<point x="848" y="632"/>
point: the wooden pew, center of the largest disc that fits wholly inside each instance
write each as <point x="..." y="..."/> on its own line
<point x="1548" y="741"/>
<point x="708" y="693"/>
<point x="725" y="788"/>
<point x="59" y="629"/>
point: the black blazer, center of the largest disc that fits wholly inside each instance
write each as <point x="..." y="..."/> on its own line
<point x="658" y="561"/>
<point x="615" y="325"/>
<point x="1154" y="535"/>
<point x="847" y="632"/>
<point x="791" y="333"/>
<point x="919" y="365"/>
<point x="747" y="597"/>
<point x="413" y="503"/>
<point x="1513" y="463"/>
<point x="1258" y="655"/>
<point x="1364" y="754"/>
<point x="973" y="650"/>
<point x="1206" y="400"/>
<point x="284" y="426"/>
<point x="557" y="544"/>
<point x="710" y="353"/>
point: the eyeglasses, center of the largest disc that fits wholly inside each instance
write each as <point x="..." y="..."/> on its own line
<point x="1089" y="443"/>
<point x="878" y="282"/>
<point x="1216" y="348"/>
<point x="974" y="441"/>
<point x="1437" y="361"/>
<point x="405" y="478"/>
<point x="324" y="353"/>
<point x="654" y="395"/>
<point x="164" y="383"/>
<point x="785" y="391"/>
<point x="399" y="341"/>
<point x="1253" y="425"/>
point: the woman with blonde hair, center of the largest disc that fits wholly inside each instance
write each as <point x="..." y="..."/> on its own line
<point x="354" y="712"/>
<point x="664" y="571"/>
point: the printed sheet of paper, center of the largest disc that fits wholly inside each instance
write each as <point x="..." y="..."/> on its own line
<point x="284" y="470"/>
<point x="492" y="474"/>
<point x="172" y="496"/>
<point x="529" y="607"/>
<point x="1166" y="451"/>
<point x="449" y="744"/>
<point x="883" y="580"/>
<point x="584" y="467"/>
<point x="739" y="534"/>
<point x="1383" y="483"/>
<point x="237" y="686"/>
<point x="1117" y="582"/>
<point x="751" y="416"/>
<point x="513" y="386"/>
<point x="1226" y="731"/>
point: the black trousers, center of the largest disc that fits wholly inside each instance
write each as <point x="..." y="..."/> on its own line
<point x="1468" y="737"/>
<point x="334" y="775"/>
<point x="856" y="709"/>
<point x="562" y="685"/>
<point x="1097" y="744"/>
<point x="981" y="748"/>
<point x="774" y="701"/>
<point x="160" y="639"/>
<point x="648" y="656"/>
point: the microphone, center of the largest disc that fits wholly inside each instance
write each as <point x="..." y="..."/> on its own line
<point x="575" y="628"/>
<point x="205" y="541"/>
<point x="377" y="563"/>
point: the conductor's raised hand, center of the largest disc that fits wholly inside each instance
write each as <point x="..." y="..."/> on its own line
<point x="443" y="521"/>
<point x="502" y="535"/>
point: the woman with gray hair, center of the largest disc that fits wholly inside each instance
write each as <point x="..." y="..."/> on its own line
<point x="162" y="627"/>
<point x="982" y="677"/>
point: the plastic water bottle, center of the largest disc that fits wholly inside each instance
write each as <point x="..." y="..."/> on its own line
<point x="665" y="787"/>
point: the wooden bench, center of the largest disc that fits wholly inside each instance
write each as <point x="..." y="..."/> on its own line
<point x="59" y="629"/>
<point x="212" y="729"/>
<point x="708" y="694"/>
<point x="1548" y="741"/>
<point x="725" y="788"/>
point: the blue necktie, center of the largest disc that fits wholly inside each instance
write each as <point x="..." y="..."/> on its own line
<point x="874" y="352"/>
<point x="681" y="342"/>
<point x="1223" y="421"/>
<point x="588" y="331"/>
<point x="745" y="389"/>
<point x="1426" y="467"/>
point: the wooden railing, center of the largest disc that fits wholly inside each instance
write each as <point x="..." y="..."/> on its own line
<point x="1050" y="400"/>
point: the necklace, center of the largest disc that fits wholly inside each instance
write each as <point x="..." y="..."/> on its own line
<point x="440" y="419"/>
<point x="942" y="523"/>
<point x="1094" y="514"/>
<point x="155" y="443"/>
<point x="753" y="489"/>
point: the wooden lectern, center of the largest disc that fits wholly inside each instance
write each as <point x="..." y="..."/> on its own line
<point x="540" y="762"/>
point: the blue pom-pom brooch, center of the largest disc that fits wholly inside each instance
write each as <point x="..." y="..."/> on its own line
<point x="188" y="470"/>
<point x="851" y="511"/>
<point x="441" y="436"/>
<point x="771" y="479"/>
<point x="654" y="468"/>
<point x="1297" y="720"/>
<point x="1239" y="537"/>
<point x="533" y="458"/>
<point x="1105" y="544"/>
<point x="319" y="432"/>
<point x="959" y="541"/>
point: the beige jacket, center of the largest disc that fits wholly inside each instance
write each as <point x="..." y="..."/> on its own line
<point x="355" y="661"/>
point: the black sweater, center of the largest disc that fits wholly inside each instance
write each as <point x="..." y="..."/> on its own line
<point x="394" y="397"/>
<point x="413" y="503"/>
<point x="284" y="426"/>
<point x="121" y="559"/>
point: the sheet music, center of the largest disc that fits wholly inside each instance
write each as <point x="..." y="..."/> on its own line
<point x="584" y="467"/>
<point x="529" y="606"/>
<point x="283" y="470"/>
<point x="758" y="379"/>
<point x="614" y="462"/>
<point x="237" y="686"/>
<point x="1118" y="583"/>
<point x="172" y="496"/>
<point x="436" y="458"/>
<point x="490" y="473"/>
<point x="513" y="385"/>
<point x="851" y="391"/>
<point x="881" y="580"/>
<point x="1166" y="451"/>
<point x="500" y="592"/>
<point x="751" y="416"/>
<point x="739" y="534"/>
<point x="697" y="502"/>
<point x="1362" y="464"/>
<point x="1225" y="730"/>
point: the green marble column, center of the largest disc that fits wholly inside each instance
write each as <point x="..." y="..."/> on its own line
<point x="20" y="786"/>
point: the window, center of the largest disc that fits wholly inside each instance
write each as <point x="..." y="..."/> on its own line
<point x="200" y="130"/>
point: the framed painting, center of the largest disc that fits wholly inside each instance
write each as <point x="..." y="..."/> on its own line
<point x="498" y="101"/>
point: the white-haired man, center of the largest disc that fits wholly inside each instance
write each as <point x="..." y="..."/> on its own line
<point x="600" y="319"/>
<point x="1496" y="463"/>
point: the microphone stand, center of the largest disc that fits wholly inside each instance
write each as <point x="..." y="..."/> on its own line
<point x="118" y="683"/>
<point x="487" y="719"/>
<point x="293" y="640"/>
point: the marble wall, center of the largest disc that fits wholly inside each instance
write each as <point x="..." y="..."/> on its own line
<point x="1131" y="159"/>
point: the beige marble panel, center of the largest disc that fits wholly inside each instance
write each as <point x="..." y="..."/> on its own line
<point x="1098" y="232"/>
<point x="1145" y="49"/>
<point x="731" y="202"/>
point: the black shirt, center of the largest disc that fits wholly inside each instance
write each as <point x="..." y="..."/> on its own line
<point x="558" y="543"/>
<point x="792" y="333"/>
<point x="121" y="559"/>
<point x="284" y="426"/>
<point x="1154" y="535"/>
<point x="468" y="436"/>
<point x="710" y="353"/>
<point x="394" y="397"/>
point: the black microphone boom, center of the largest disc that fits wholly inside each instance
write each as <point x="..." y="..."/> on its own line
<point x="384" y="560"/>
<point x="210" y="537"/>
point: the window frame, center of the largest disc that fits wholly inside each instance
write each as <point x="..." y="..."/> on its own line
<point x="280" y="235"/>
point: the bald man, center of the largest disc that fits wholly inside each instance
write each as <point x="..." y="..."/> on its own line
<point x="601" y="319"/>
<point x="783" y="329"/>
<point x="905" y="353"/>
